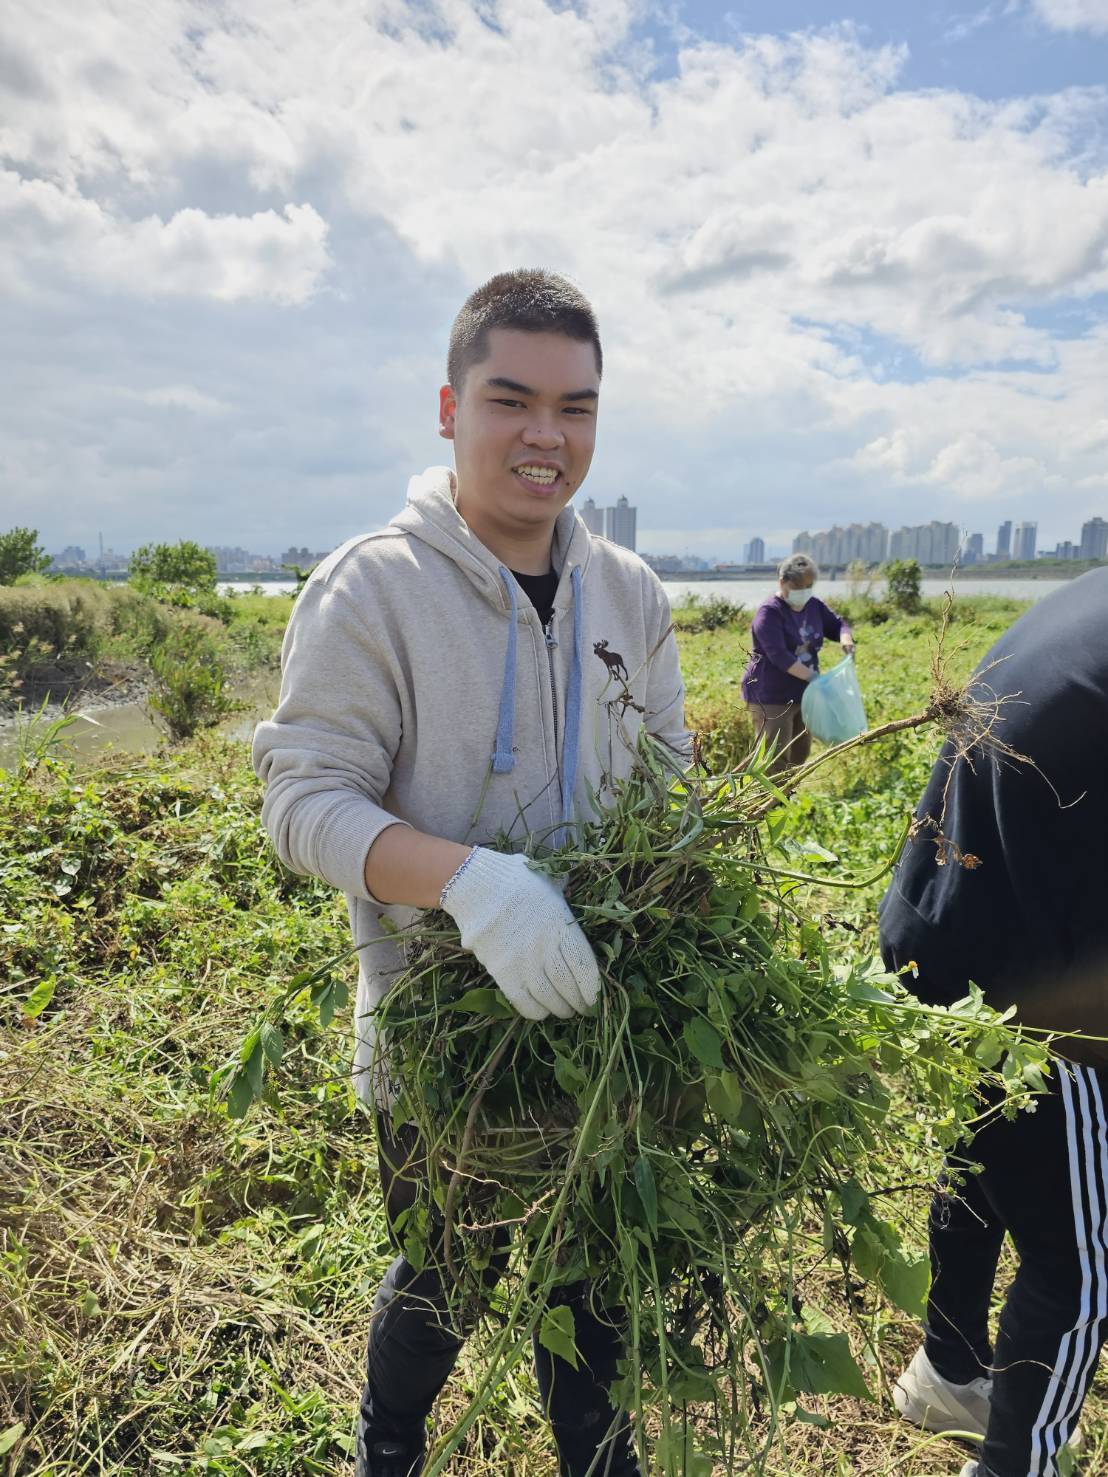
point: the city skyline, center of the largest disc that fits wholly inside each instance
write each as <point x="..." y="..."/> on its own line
<point x="938" y="543"/>
<point x="934" y="544"/>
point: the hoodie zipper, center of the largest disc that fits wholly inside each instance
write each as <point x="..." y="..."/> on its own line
<point x="551" y="646"/>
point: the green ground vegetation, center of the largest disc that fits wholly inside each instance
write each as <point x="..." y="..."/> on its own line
<point x="184" y="1292"/>
<point x="63" y="639"/>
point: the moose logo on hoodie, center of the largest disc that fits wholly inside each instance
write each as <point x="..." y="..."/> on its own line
<point x="611" y="659"/>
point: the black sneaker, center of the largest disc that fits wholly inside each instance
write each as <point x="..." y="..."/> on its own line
<point x="389" y="1458"/>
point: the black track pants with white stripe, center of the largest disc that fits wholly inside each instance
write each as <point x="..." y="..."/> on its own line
<point x="1044" y="1180"/>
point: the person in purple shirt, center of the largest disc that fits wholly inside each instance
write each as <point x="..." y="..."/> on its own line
<point x="787" y="632"/>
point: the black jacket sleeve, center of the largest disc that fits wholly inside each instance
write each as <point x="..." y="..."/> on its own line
<point x="1006" y="883"/>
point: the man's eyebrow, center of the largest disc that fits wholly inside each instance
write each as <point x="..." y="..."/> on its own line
<point x="500" y="382"/>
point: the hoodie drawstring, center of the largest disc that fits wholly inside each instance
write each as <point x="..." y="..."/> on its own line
<point x="503" y="759"/>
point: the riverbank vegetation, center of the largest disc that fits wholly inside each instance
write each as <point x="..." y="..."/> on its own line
<point x="185" y="1292"/>
<point x="82" y="641"/>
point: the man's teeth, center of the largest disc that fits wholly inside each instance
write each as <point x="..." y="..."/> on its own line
<point x="538" y="474"/>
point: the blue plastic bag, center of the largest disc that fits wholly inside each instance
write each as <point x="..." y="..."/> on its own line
<point x="832" y="706"/>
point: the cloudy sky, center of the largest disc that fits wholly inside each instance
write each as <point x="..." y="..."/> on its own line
<point x="850" y="259"/>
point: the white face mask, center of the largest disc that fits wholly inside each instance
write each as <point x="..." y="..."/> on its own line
<point x="798" y="599"/>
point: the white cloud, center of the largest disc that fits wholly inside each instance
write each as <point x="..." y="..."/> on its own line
<point x="183" y="397"/>
<point x="1093" y="438"/>
<point x="977" y="444"/>
<point x="923" y="215"/>
<point x="1074" y="15"/>
<point x="971" y="462"/>
<point x="277" y="257"/>
<point x="963" y="27"/>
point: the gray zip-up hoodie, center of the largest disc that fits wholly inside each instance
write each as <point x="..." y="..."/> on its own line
<point x="418" y="685"/>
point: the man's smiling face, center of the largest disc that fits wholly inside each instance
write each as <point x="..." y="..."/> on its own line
<point x="523" y="428"/>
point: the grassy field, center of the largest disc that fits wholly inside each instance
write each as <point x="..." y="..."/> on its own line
<point x="184" y="1293"/>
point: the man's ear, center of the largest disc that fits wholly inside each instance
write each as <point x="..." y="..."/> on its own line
<point x="448" y="409"/>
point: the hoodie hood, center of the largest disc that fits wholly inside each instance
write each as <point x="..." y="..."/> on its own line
<point x="431" y="515"/>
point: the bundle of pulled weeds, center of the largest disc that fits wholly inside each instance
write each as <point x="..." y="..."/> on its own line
<point x="701" y="1141"/>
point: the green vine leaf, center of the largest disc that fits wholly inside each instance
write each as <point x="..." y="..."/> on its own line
<point x="556" y="1333"/>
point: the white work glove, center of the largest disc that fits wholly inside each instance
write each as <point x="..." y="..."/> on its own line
<point x="523" y="931"/>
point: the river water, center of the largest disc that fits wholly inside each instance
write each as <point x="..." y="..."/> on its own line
<point x="128" y="727"/>
<point x="750" y="592"/>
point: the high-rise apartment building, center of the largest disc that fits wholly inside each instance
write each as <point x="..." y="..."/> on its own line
<point x="1004" y="540"/>
<point x="231" y="560"/>
<point x="755" y="551"/>
<point x="592" y="516"/>
<point x="303" y="558"/>
<point x="973" y="550"/>
<point x="837" y="546"/>
<point x="927" y="543"/>
<point x="1094" y="539"/>
<point x="619" y="523"/>
<point x="1023" y="540"/>
<point x="872" y="542"/>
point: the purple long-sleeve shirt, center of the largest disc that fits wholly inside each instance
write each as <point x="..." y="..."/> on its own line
<point x="781" y="636"/>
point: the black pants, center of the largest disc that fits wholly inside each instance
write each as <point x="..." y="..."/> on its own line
<point x="1045" y="1181"/>
<point x="413" y="1346"/>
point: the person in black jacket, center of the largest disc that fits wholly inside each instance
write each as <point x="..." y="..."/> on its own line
<point x="1006" y="885"/>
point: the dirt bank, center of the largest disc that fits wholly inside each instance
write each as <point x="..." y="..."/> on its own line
<point x="67" y="686"/>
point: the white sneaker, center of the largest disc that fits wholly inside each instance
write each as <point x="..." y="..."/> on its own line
<point x="923" y="1397"/>
<point x="927" y="1400"/>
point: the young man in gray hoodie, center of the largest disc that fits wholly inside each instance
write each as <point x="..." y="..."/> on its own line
<point x="444" y="680"/>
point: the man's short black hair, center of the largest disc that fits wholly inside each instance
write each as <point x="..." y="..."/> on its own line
<point x="530" y="299"/>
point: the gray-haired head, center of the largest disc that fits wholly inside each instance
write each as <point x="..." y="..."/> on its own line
<point x="796" y="569"/>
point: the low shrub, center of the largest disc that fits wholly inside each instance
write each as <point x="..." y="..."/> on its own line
<point x="714" y="614"/>
<point x="903" y="580"/>
<point x="139" y="622"/>
<point x="189" y="687"/>
<point x="860" y="610"/>
<point x="205" y="602"/>
<point x="37" y="622"/>
<point x="76" y="618"/>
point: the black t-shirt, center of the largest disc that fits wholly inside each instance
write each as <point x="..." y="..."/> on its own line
<point x="1028" y="917"/>
<point x="540" y="590"/>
